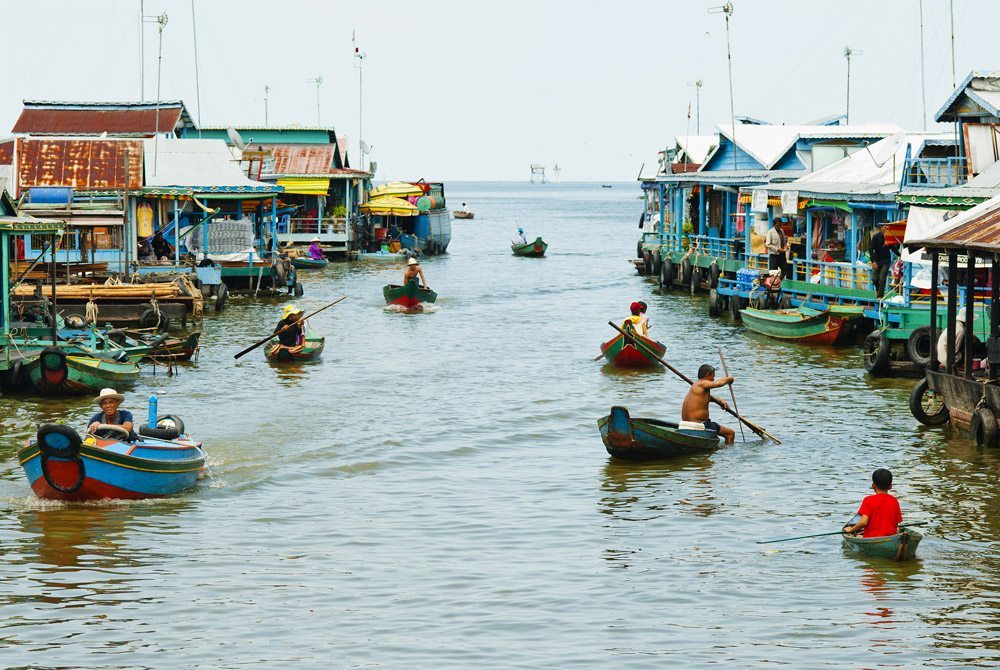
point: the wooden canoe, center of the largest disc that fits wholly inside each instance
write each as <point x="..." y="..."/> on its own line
<point x="899" y="547"/>
<point x="55" y="371"/>
<point x="636" y="439"/>
<point x="310" y="350"/>
<point x="306" y="263"/>
<point x="624" y="352"/>
<point x="411" y="296"/>
<point x="459" y="214"/>
<point x="534" y="249"/>
<point x="800" y="324"/>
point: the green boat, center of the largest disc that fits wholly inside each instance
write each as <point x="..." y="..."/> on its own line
<point x="534" y="249"/>
<point x="306" y="263"/>
<point x="899" y="547"/>
<point x="637" y="439"/>
<point x="55" y="371"/>
<point x="411" y="296"/>
<point x="800" y="324"/>
<point x="311" y="350"/>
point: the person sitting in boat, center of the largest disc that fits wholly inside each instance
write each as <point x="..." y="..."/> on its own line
<point x="146" y="252"/>
<point x="291" y="329"/>
<point x="520" y="239"/>
<point x="413" y="271"/>
<point x="880" y="514"/>
<point x="315" y="251"/>
<point x="638" y="321"/>
<point x="163" y="249"/>
<point x="978" y="348"/>
<point x="695" y="407"/>
<point x="111" y="414"/>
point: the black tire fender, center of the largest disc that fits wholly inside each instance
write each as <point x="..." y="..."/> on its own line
<point x="299" y="291"/>
<point x="687" y="271"/>
<point x="667" y="273"/>
<point x="734" y="308"/>
<point x="169" y="419"/>
<point x="149" y="319"/>
<point x="713" y="302"/>
<point x="938" y="418"/>
<point x="647" y="262"/>
<point x="657" y="263"/>
<point x="918" y="346"/>
<point x="875" y="351"/>
<point x="984" y="428"/>
<point x="713" y="275"/>
<point x="638" y="249"/>
<point x="171" y="431"/>
<point x="58" y="441"/>
<point x="221" y="294"/>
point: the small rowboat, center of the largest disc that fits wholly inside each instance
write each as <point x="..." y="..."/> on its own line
<point x="58" y="372"/>
<point x="899" y="547"/>
<point x="60" y="465"/>
<point x="462" y="214"/>
<point x="310" y="350"/>
<point x="306" y="263"/>
<point x="534" y="249"/>
<point x="634" y="351"/>
<point x="800" y="324"/>
<point x="411" y="296"/>
<point x="650" y="439"/>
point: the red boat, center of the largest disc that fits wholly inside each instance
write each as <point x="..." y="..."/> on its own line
<point x="622" y="352"/>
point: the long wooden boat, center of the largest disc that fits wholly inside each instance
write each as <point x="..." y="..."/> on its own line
<point x="534" y="249"/>
<point x="637" y="439"/>
<point x="801" y="324"/>
<point x="410" y="296"/>
<point x="633" y="351"/>
<point x="60" y="465"/>
<point x="311" y="350"/>
<point x="463" y="214"/>
<point x="899" y="547"/>
<point x="57" y="372"/>
<point x="306" y="263"/>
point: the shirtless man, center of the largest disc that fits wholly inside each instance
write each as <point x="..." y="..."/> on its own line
<point x="413" y="271"/>
<point x="695" y="407"/>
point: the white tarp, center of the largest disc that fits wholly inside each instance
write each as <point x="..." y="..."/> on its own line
<point x="789" y="202"/>
<point x="758" y="200"/>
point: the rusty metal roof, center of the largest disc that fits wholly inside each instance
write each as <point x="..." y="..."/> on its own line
<point x="976" y="229"/>
<point x="302" y="159"/>
<point x="7" y="152"/>
<point x="121" y="119"/>
<point x="84" y="164"/>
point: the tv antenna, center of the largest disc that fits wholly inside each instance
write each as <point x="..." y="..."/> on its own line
<point x="697" y="104"/>
<point x="727" y="9"/>
<point x="848" y="54"/>
<point x="319" y="82"/>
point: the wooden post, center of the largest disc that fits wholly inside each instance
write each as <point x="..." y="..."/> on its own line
<point x="970" y="314"/>
<point x="952" y="311"/>
<point x="933" y="364"/>
<point x="994" y="314"/>
<point x="701" y="210"/>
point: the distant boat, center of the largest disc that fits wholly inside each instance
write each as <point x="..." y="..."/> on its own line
<point x="606" y="185"/>
<point x="463" y="214"/>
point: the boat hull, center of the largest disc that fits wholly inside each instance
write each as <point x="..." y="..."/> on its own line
<point x="534" y="249"/>
<point x="410" y="296"/>
<point x="638" y="439"/>
<point x="898" y="547"/>
<point x="304" y="263"/>
<point x="311" y="350"/>
<point x="113" y="469"/>
<point x="78" y="374"/>
<point x="623" y="352"/>
<point x="463" y="215"/>
<point x="803" y="325"/>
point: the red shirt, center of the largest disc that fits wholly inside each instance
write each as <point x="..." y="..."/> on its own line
<point x="883" y="515"/>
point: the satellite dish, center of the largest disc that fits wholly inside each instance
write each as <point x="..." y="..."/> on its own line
<point x="235" y="138"/>
<point x="364" y="147"/>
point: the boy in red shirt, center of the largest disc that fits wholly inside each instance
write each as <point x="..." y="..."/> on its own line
<point x="880" y="515"/>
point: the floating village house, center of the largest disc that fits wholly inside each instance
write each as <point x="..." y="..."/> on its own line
<point x="321" y="191"/>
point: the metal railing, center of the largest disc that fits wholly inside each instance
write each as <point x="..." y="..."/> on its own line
<point x="934" y="172"/>
<point x="719" y="247"/>
<point x="843" y="275"/>
<point x="315" y="226"/>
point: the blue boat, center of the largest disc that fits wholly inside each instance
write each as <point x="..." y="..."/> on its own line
<point x="636" y="439"/>
<point x="160" y="461"/>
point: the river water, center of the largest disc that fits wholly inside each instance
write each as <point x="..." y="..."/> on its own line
<point x="435" y="494"/>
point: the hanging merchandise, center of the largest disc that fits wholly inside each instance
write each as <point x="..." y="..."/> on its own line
<point x="144" y="220"/>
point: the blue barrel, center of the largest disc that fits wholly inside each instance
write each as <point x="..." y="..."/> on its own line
<point x="50" y="195"/>
<point x="422" y="226"/>
<point x="408" y="241"/>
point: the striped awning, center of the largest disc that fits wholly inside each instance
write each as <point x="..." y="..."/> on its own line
<point x="305" y="185"/>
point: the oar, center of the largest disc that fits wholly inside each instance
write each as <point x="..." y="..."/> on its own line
<point x="652" y="354"/>
<point x="274" y="335"/>
<point x="732" y="393"/>
<point x="836" y="532"/>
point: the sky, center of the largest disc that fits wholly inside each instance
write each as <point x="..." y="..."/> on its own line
<point x="466" y="90"/>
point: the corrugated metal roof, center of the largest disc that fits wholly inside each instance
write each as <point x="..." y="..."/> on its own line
<point x="302" y="159"/>
<point x="976" y="229"/>
<point x="114" y="118"/>
<point x="696" y="147"/>
<point x="7" y="152"/>
<point x="84" y="164"/>
<point x="729" y="177"/>
<point x="199" y="166"/>
<point x="767" y="144"/>
<point x="981" y="86"/>
<point x="342" y="152"/>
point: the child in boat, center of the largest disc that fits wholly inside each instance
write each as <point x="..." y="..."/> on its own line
<point x="638" y="321"/>
<point x="880" y="514"/>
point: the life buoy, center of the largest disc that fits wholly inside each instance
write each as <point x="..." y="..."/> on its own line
<point x="928" y="417"/>
<point x="918" y="346"/>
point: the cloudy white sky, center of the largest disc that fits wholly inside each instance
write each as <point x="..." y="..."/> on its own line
<point x="459" y="89"/>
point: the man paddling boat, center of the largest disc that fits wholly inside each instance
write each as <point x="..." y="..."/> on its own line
<point x="695" y="407"/>
<point x="291" y="329"/>
<point x="413" y="271"/>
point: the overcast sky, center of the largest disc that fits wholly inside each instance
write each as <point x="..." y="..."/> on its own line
<point x="474" y="90"/>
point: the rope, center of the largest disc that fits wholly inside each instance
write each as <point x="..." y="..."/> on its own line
<point x="198" y="304"/>
<point x="92" y="313"/>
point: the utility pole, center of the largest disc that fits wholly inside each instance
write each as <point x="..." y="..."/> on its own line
<point x="359" y="61"/>
<point x="923" y="78"/>
<point x="697" y="104"/>
<point x="267" y="93"/>
<point x="727" y="9"/>
<point x="162" y="21"/>
<point x="318" y="81"/>
<point x="848" y="53"/>
<point x="197" y="77"/>
<point x="951" y="12"/>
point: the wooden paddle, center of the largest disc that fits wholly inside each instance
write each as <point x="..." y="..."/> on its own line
<point x="274" y="335"/>
<point x="652" y="354"/>
<point x="732" y="393"/>
<point x="836" y="532"/>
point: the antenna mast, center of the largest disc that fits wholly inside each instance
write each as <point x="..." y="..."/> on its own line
<point x="267" y="93"/>
<point x="727" y="9"/>
<point x="162" y="21"/>
<point x="197" y="78"/>
<point x="359" y="61"/>
<point x="318" y="81"/>
<point x="848" y="53"/>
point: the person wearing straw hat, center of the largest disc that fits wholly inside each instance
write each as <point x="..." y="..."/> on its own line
<point x="291" y="329"/>
<point x="316" y="251"/>
<point x="412" y="271"/>
<point x="110" y="414"/>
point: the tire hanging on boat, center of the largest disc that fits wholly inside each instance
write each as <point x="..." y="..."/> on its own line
<point x="713" y="302"/>
<point x="221" y="293"/>
<point x="875" y="351"/>
<point x="918" y="346"/>
<point x="984" y="428"/>
<point x="713" y="275"/>
<point x="58" y="441"/>
<point x="934" y="418"/>
<point x="657" y="263"/>
<point x="667" y="273"/>
<point x="150" y="319"/>
<point x="734" y="308"/>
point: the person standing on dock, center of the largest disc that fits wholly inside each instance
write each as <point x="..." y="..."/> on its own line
<point x="695" y="407"/>
<point x="880" y="254"/>
<point x="520" y="238"/>
<point x="880" y="513"/>
<point x="776" y="243"/>
<point x="413" y="271"/>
